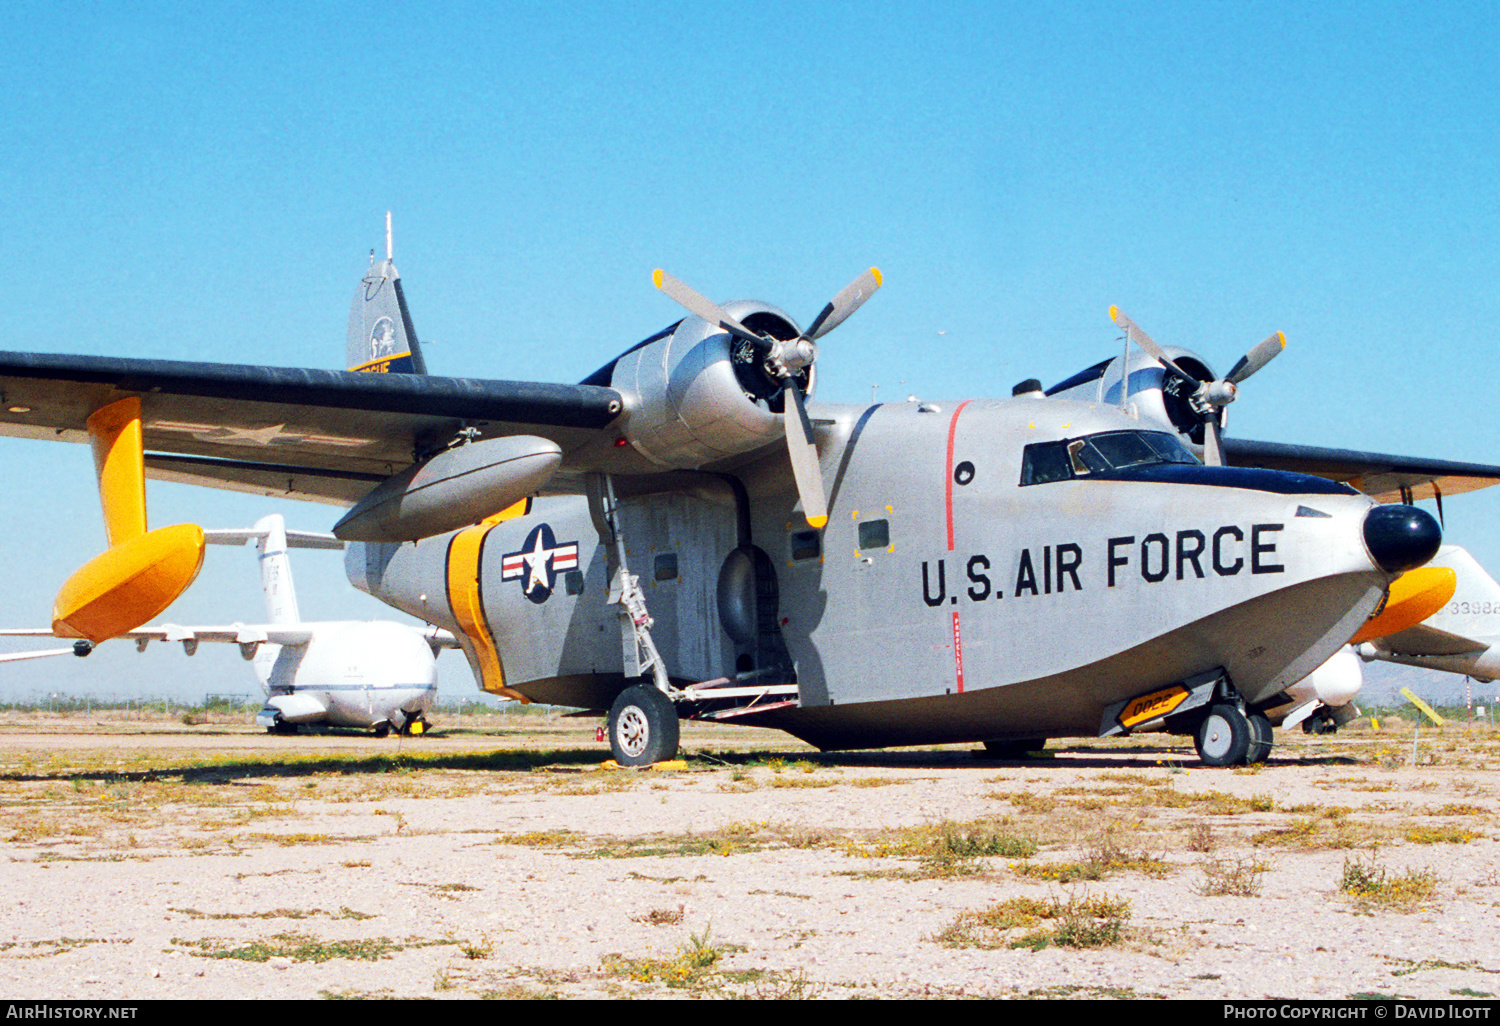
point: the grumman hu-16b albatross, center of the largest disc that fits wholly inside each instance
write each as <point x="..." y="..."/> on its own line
<point x="686" y="533"/>
<point x="371" y="675"/>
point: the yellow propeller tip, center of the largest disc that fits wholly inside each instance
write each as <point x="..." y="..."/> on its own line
<point x="818" y="522"/>
<point x="1282" y="335"/>
<point x="1114" y="314"/>
<point x="656" y="277"/>
<point x="879" y="278"/>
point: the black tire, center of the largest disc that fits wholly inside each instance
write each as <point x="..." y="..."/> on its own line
<point x="383" y="729"/>
<point x="282" y="727"/>
<point x="1261" y="739"/>
<point x="643" y="727"/>
<point x="1224" y="736"/>
<point x="1014" y="749"/>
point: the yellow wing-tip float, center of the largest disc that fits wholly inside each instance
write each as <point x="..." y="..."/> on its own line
<point x="1058" y="563"/>
<point x="372" y="675"/>
<point x="142" y="572"/>
<point x="1413" y="597"/>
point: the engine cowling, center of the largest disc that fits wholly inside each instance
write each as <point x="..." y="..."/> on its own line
<point x="698" y="395"/>
<point x="1157" y="392"/>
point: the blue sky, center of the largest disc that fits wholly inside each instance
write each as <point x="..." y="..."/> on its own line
<point x="206" y="181"/>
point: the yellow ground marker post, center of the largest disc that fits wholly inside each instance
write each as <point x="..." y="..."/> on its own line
<point x="1437" y="721"/>
<point x="1416" y="729"/>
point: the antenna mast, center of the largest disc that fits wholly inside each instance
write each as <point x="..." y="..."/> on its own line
<point x="388" y="235"/>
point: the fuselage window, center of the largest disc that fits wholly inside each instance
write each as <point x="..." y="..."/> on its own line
<point x="874" y="534"/>
<point x="666" y="566"/>
<point x="806" y="545"/>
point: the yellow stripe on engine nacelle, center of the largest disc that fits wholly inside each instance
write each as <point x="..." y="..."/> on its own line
<point x="468" y="607"/>
<point x="120" y="462"/>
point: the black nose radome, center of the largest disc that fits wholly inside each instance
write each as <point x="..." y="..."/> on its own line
<point x="1401" y="537"/>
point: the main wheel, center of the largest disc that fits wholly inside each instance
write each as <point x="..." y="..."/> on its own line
<point x="1223" y="736"/>
<point x="643" y="726"/>
<point x="1260" y="739"/>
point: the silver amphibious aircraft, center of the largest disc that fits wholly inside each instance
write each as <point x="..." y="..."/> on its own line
<point x="373" y="675"/>
<point x="686" y="533"/>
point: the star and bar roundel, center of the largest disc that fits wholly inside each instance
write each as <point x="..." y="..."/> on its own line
<point x="539" y="562"/>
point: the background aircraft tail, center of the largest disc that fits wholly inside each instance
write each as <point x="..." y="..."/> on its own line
<point x="272" y="539"/>
<point x="381" y="337"/>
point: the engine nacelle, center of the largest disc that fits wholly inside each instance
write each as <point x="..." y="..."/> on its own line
<point x="697" y="394"/>
<point x="1155" y="391"/>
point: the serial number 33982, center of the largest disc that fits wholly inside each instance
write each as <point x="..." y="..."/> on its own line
<point x="1470" y="608"/>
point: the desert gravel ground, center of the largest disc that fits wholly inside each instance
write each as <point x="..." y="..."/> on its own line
<point x="150" y="859"/>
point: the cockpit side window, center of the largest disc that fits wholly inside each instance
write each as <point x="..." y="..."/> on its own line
<point x="1099" y="455"/>
<point x="1084" y="459"/>
<point x="1044" y="463"/>
<point x="1124" y="449"/>
<point x="1168" y="447"/>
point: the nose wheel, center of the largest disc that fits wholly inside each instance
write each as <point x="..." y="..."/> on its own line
<point x="1224" y="736"/>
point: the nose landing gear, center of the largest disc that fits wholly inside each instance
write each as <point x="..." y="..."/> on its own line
<point x="1228" y="736"/>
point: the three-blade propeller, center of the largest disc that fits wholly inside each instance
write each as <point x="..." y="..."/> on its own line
<point x="784" y="360"/>
<point x="1209" y="397"/>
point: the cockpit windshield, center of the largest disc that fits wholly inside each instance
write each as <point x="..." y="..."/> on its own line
<point x="1100" y="455"/>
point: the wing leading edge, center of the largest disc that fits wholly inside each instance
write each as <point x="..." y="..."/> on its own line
<point x="1383" y="477"/>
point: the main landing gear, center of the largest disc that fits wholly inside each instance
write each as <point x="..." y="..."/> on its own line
<point x="1228" y="736"/>
<point x="643" y="726"/>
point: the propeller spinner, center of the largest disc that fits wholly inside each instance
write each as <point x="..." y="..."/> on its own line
<point x="1209" y="397"/>
<point x="785" y="360"/>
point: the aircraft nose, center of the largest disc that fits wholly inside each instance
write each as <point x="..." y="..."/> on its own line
<point x="1401" y="537"/>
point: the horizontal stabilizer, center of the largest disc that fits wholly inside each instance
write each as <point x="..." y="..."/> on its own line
<point x="294" y="539"/>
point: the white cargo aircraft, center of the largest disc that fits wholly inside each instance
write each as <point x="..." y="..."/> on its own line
<point x="374" y="675"/>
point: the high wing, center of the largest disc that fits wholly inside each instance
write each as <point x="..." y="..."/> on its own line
<point x="1383" y="477"/>
<point x="326" y="436"/>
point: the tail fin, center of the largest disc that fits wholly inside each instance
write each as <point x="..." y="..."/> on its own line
<point x="381" y="337"/>
<point x="272" y="539"/>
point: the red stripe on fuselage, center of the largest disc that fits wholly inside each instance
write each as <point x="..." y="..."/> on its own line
<point x="948" y="471"/>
